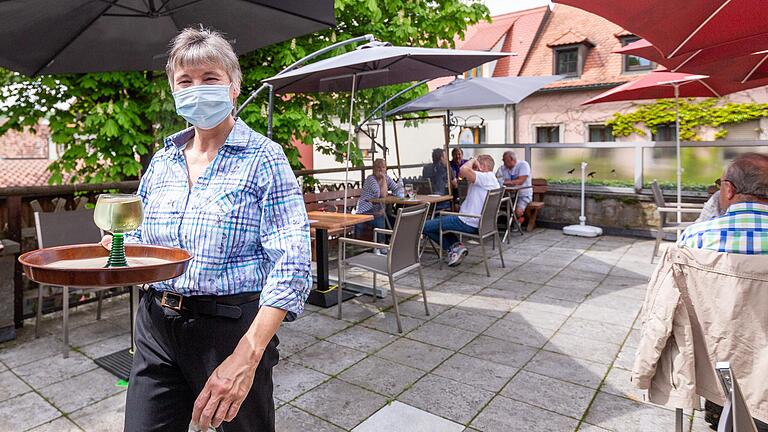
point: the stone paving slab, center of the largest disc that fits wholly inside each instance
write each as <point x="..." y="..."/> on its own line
<point x="525" y="349"/>
<point x="398" y="416"/>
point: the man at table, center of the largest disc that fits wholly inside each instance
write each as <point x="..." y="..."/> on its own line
<point x="437" y="173"/>
<point x="376" y="185"/>
<point x="479" y="173"/>
<point x="516" y="173"/>
<point x="457" y="160"/>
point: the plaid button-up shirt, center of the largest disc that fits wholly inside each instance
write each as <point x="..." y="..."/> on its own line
<point x="743" y="229"/>
<point x="243" y="221"/>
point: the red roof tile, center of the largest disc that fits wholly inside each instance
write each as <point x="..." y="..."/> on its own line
<point x="601" y="66"/>
<point x="570" y="38"/>
<point x="24" y="172"/>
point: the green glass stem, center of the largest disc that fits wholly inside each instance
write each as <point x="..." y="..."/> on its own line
<point x="117" y="254"/>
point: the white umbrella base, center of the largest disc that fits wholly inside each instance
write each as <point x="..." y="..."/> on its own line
<point x="583" y="230"/>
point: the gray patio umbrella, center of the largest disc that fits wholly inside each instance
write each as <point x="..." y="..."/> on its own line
<point x="377" y="64"/>
<point x="73" y="36"/>
<point x="476" y="93"/>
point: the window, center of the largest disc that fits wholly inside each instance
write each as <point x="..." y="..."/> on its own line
<point x="474" y="72"/>
<point x="548" y="134"/>
<point x="567" y="62"/>
<point x="664" y="132"/>
<point x="634" y="63"/>
<point x="601" y="133"/>
<point x="472" y="135"/>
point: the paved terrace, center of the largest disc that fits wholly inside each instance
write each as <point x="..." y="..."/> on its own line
<point x="542" y="345"/>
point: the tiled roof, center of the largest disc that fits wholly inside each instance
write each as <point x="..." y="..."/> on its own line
<point x="516" y="31"/>
<point x="24" y="172"/>
<point x="570" y="38"/>
<point x="601" y="66"/>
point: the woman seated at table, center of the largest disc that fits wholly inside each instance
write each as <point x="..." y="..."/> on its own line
<point x="376" y="186"/>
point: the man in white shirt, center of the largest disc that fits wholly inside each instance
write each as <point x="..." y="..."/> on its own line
<point x="479" y="173"/>
<point x="516" y="173"/>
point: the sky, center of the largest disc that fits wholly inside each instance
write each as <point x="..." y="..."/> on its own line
<point x="498" y="7"/>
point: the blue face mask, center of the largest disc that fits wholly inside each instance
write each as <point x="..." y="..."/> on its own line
<point x="205" y="106"/>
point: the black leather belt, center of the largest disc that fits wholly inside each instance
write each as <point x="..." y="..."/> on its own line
<point x="223" y="306"/>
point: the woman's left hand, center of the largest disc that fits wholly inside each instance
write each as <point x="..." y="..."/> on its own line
<point x="226" y="388"/>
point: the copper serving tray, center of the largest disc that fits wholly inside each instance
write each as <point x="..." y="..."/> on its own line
<point x="83" y="265"/>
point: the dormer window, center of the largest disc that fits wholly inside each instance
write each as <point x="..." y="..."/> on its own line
<point x="632" y="63"/>
<point x="568" y="54"/>
<point x="567" y="61"/>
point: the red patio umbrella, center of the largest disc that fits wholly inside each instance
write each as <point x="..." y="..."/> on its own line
<point x="706" y="61"/>
<point x="736" y="27"/>
<point x="667" y="85"/>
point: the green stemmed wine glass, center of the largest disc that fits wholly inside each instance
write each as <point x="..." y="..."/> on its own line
<point x="118" y="214"/>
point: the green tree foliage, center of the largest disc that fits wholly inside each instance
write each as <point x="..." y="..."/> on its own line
<point x="104" y="120"/>
<point x="693" y="116"/>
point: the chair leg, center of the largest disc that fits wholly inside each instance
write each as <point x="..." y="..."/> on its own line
<point x="65" y="321"/>
<point x="501" y="252"/>
<point x="440" y="250"/>
<point x="39" y="313"/>
<point x="659" y="235"/>
<point x="423" y="292"/>
<point x="394" y="301"/>
<point x="375" y="294"/>
<point x="100" y="296"/>
<point x="485" y="257"/>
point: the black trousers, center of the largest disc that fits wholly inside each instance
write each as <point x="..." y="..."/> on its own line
<point x="175" y="355"/>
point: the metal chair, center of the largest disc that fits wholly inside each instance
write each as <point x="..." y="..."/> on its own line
<point x="60" y="229"/>
<point x="487" y="227"/>
<point x="402" y="254"/>
<point x="664" y="210"/>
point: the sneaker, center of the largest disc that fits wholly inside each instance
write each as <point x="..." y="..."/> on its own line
<point x="456" y="256"/>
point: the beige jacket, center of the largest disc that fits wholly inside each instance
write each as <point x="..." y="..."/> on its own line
<point x="702" y="307"/>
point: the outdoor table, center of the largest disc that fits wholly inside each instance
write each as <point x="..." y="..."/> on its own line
<point x="322" y="222"/>
<point x="511" y="192"/>
<point x="432" y="200"/>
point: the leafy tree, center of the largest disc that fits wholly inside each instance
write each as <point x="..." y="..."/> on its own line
<point x="104" y="120"/>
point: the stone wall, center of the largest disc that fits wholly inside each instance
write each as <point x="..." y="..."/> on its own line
<point x="628" y="213"/>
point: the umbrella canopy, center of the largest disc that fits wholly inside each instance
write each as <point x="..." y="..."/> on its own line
<point x="477" y="92"/>
<point x="736" y="27"/>
<point x="377" y="65"/>
<point x="661" y="85"/>
<point x="705" y="62"/>
<point x="72" y="36"/>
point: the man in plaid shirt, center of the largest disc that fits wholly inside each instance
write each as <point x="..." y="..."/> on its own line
<point x="743" y="229"/>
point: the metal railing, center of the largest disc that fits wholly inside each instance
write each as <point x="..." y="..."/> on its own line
<point x="639" y="147"/>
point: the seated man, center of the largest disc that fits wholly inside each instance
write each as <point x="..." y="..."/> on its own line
<point x="741" y="230"/>
<point x="479" y="173"/>
<point x="457" y="160"/>
<point x="744" y="195"/>
<point x="437" y="173"/>
<point x="376" y="185"/>
<point x="516" y="173"/>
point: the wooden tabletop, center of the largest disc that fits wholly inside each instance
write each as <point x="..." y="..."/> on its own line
<point x="418" y="199"/>
<point x="332" y="221"/>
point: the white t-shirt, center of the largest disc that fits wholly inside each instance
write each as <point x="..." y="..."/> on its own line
<point x="521" y="168"/>
<point x="473" y="204"/>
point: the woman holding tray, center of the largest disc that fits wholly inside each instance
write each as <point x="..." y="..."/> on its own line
<point x="206" y="340"/>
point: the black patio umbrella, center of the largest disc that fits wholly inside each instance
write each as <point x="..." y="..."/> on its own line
<point x="73" y="36"/>
<point x="377" y="64"/>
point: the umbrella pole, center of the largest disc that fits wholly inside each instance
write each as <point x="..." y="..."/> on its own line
<point x="677" y="149"/>
<point x="349" y="139"/>
<point x="270" y="109"/>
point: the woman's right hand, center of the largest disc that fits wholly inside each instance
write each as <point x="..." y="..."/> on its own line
<point x="106" y="242"/>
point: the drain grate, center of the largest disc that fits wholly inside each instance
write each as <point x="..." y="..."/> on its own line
<point x="118" y="364"/>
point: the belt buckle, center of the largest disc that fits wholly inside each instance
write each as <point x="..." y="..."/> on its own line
<point x="171" y="301"/>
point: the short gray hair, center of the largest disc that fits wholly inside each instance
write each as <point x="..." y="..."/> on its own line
<point x="749" y="175"/>
<point x="511" y="154"/>
<point x="486" y="160"/>
<point x="202" y="46"/>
